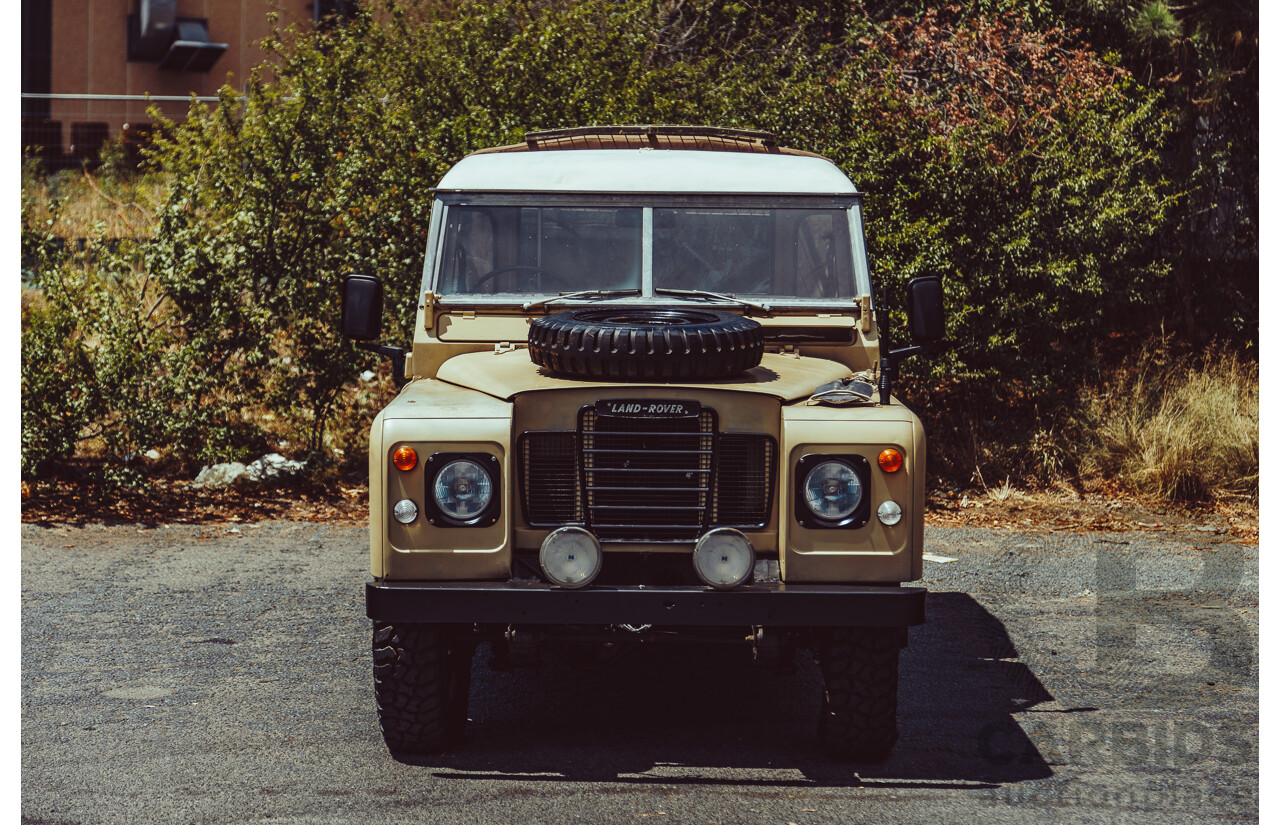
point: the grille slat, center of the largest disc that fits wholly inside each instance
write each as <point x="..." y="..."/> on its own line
<point x="697" y="507"/>
<point x="633" y="479"/>
<point x="599" y="489"/>
<point x="646" y="452"/>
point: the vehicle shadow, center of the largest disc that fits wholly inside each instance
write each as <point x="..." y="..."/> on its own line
<point x="705" y="716"/>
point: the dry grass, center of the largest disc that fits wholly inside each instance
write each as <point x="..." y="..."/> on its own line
<point x="1180" y="431"/>
<point x="93" y="204"/>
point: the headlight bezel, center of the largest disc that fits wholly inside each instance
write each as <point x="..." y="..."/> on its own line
<point x="488" y="464"/>
<point x="806" y="517"/>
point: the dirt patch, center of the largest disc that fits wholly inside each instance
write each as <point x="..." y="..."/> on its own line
<point x="176" y="502"/>
<point x="1101" y="511"/>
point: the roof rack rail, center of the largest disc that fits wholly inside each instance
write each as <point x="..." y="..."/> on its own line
<point x="699" y="138"/>
<point x="657" y="137"/>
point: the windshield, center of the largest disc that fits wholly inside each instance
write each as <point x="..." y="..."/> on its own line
<point x="803" y="253"/>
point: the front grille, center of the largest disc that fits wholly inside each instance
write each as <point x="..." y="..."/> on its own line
<point x="549" y="478"/>
<point x="744" y="480"/>
<point x="647" y="479"/>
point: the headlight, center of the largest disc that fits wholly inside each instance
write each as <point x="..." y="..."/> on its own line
<point x="463" y="489"/>
<point x="832" y="491"/>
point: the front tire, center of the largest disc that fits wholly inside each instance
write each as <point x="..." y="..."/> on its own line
<point x="421" y="678"/>
<point x="859" y="717"/>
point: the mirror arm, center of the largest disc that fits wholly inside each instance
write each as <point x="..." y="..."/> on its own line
<point x="897" y="356"/>
<point x="397" y="356"/>
<point x="890" y="362"/>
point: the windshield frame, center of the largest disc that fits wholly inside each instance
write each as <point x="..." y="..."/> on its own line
<point x="432" y="266"/>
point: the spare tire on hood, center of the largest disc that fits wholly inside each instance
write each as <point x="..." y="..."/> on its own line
<point x="646" y="343"/>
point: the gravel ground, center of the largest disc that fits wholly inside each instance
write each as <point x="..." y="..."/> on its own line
<point x="221" y="673"/>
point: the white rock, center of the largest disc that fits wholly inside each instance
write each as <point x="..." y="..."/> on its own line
<point x="268" y="468"/>
<point x="271" y="467"/>
<point x="367" y="375"/>
<point x="219" y="475"/>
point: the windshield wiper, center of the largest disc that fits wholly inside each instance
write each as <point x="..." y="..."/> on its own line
<point x="586" y="293"/>
<point x="702" y="293"/>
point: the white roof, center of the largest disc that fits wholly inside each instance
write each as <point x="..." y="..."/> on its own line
<point x="647" y="170"/>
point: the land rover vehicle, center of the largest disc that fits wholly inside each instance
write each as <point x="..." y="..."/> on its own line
<point x="647" y="399"/>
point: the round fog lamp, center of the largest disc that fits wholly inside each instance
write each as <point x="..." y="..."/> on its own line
<point x="889" y="513"/>
<point x="570" y="557"/>
<point x="724" y="558"/>
<point x="405" y="511"/>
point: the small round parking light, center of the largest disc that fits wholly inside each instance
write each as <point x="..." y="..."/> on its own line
<point x="405" y="458"/>
<point x="724" y="558"/>
<point x="405" y="511"/>
<point x="889" y="513"/>
<point x="570" y="557"/>
<point x="890" y="460"/>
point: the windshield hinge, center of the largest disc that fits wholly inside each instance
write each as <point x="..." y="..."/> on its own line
<point x="503" y="346"/>
<point x="428" y="307"/>
<point x="864" y="312"/>
<point x="790" y="349"/>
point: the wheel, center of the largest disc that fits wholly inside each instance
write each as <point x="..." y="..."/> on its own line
<point x="421" y="678"/>
<point x="859" y="717"/>
<point x="646" y="344"/>
<point x="541" y="276"/>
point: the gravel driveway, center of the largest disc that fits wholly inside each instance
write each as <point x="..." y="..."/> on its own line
<point x="222" y="674"/>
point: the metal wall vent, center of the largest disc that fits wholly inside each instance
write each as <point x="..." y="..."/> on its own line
<point x="179" y="44"/>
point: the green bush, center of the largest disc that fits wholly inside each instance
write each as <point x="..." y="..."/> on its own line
<point x="1012" y="160"/>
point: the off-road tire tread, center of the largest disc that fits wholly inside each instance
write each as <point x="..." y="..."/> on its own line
<point x="421" y="680"/>
<point x="859" y="716"/>
<point x="565" y="344"/>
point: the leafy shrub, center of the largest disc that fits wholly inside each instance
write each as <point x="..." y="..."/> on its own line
<point x="1013" y="160"/>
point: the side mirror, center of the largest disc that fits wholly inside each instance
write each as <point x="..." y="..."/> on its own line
<point x="362" y="320"/>
<point x="361" y="307"/>
<point x="927" y="325"/>
<point x="924" y="309"/>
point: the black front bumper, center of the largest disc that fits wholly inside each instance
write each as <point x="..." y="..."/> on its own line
<point x="532" y="602"/>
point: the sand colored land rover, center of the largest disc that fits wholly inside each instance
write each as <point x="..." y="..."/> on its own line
<point x="648" y="398"/>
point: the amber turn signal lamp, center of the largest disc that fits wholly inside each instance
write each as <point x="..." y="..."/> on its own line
<point x="890" y="460"/>
<point x="405" y="458"/>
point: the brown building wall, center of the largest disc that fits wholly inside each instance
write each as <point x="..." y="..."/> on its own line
<point x="90" y="56"/>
